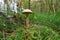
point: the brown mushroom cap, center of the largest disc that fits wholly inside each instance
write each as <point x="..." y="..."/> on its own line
<point x="27" y="11"/>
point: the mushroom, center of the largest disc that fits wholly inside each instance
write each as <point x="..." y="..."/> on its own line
<point x="27" y="11"/>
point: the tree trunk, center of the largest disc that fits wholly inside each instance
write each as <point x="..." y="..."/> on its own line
<point x="29" y="4"/>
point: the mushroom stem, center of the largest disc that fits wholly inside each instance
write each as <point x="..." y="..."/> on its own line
<point x="27" y="27"/>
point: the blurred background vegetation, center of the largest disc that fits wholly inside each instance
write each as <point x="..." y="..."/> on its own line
<point x="44" y="20"/>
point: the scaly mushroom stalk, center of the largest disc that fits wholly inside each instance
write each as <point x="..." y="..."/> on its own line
<point x="27" y="12"/>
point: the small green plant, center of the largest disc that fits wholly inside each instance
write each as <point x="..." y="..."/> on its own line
<point x="35" y="33"/>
